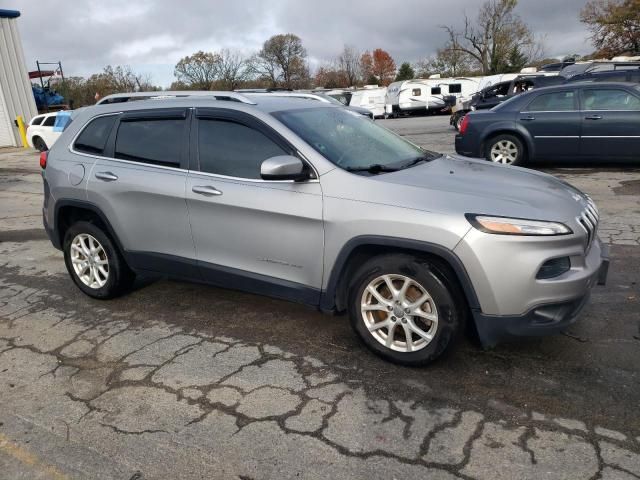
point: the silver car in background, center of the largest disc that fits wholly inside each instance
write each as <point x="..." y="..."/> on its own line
<point x="313" y="203"/>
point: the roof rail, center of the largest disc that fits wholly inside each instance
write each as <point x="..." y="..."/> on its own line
<point x="159" y="95"/>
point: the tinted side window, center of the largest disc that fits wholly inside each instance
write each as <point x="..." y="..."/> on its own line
<point x="557" y="101"/>
<point x="232" y="149"/>
<point x="36" y="120"/>
<point x="94" y="137"/>
<point x="157" y="141"/>
<point x="436" y="91"/>
<point x="610" y="99"/>
<point x="49" y="121"/>
<point x="455" y="88"/>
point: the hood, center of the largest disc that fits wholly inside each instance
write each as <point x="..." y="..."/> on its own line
<point x="453" y="184"/>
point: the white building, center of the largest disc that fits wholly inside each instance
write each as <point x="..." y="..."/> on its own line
<point x="16" y="97"/>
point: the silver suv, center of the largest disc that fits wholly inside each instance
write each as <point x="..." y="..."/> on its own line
<point x="318" y="205"/>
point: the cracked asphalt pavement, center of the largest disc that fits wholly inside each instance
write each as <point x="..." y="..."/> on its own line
<point x="188" y="381"/>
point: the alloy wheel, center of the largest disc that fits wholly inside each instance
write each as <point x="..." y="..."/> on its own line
<point x="504" y="151"/>
<point x="399" y="313"/>
<point x="89" y="260"/>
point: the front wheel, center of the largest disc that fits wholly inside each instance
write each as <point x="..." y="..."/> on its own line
<point x="405" y="309"/>
<point x="505" y="149"/>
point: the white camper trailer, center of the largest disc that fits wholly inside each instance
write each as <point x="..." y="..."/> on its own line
<point x="428" y="95"/>
<point x="371" y="97"/>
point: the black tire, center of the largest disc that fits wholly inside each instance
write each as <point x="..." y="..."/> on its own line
<point x="39" y="144"/>
<point x="521" y="156"/>
<point x="120" y="278"/>
<point x="433" y="278"/>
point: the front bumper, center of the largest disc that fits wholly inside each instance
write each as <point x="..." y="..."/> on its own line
<point x="546" y="319"/>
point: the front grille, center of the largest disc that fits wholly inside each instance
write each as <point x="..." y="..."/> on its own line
<point x="589" y="222"/>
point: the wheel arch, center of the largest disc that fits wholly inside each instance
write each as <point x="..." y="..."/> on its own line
<point x="359" y="249"/>
<point x="520" y="134"/>
<point x="68" y="211"/>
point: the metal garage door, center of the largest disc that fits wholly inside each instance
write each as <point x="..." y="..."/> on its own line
<point x="6" y="130"/>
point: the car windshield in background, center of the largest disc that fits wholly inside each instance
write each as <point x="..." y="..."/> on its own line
<point x="352" y="141"/>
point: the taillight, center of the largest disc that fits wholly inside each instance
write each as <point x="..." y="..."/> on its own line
<point x="43" y="159"/>
<point x="464" y="124"/>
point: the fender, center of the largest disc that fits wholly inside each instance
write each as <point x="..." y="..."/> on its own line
<point x="328" y="297"/>
<point x="60" y="203"/>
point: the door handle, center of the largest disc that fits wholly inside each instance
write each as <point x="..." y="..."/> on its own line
<point x="528" y="119"/>
<point x="106" y="176"/>
<point x="206" y="190"/>
<point x="593" y="117"/>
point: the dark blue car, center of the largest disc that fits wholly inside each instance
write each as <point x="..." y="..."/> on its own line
<point x="576" y="121"/>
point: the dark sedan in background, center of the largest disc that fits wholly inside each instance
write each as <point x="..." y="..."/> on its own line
<point x="577" y="121"/>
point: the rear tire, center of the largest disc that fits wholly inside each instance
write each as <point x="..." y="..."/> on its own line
<point x="505" y="149"/>
<point x="39" y="144"/>
<point x="94" y="262"/>
<point x="429" y="313"/>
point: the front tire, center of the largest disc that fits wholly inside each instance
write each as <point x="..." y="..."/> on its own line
<point x="505" y="149"/>
<point x="94" y="263"/>
<point x="405" y="309"/>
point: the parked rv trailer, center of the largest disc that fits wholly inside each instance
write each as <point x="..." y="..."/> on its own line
<point x="373" y="98"/>
<point x="428" y="95"/>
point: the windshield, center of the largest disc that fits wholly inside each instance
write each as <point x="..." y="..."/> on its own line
<point x="350" y="140"/>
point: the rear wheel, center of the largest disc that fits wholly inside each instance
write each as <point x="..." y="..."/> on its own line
<point x="404" y="309"/>
<point x="94" y="263"/>
<point x="39" y="144"/>
<point x="505" y="149"/>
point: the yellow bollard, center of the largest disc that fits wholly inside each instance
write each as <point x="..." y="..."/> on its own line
<point x="23" y="131"/>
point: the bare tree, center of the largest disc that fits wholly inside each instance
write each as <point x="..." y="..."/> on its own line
<point x="283" y="61"/>
<point x="198" y="71"/>
<point x="349" y="63"/>
<point x="492" y="37"/>
<point x="233" y="69"/>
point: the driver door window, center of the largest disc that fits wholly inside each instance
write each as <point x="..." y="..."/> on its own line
<point x="232" y="149"/>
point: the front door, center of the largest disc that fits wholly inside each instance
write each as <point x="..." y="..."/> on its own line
<point x="610" y="124"/>
<point x="553" y="122"/>
<point x="255" y="235"/>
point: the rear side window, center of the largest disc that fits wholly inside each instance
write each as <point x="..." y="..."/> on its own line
<point x="36" y="120"/>
<point x="156" y="141"/>
<point x="610" y="99"/>
<point x="553" y="102"/>
<point x="94" y="137"/>
<point x="49" y="121"/>
<point x="233" y="149"/>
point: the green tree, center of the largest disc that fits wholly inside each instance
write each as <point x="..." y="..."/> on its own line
<point x="405" y="72"/>
<point x="614" y="26"/>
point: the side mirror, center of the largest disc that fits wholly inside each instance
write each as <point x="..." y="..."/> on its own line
<point x="283" y="167"/>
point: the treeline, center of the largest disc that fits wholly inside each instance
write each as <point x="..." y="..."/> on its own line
<point x="496" y="40"/>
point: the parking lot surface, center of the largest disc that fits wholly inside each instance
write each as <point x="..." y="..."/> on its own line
<point x="188" y="381"/>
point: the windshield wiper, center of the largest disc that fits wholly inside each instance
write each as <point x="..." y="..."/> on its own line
<point x="375" y="168"/>
<point x="417" y="160"/>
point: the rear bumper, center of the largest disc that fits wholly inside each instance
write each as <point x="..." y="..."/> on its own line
<point x="541" y="320"/>
<point x="468" y="146"/>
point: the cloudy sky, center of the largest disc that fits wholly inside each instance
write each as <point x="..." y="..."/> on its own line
<point x="152" y="36"/>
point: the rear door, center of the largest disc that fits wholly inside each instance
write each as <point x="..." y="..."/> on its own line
<point x="610" y="123"/>
<point x="553" y="121"/>
<point x="257" y="235"/>
<point x="139" y="182"/>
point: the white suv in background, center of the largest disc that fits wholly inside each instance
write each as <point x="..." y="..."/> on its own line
<point x="40" y="133"/>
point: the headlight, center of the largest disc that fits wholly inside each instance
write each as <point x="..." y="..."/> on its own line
<point x="516" y="226"/>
